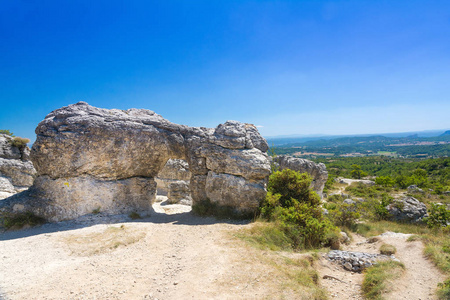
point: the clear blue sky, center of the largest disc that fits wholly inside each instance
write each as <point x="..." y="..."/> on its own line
<point x="290" y="67"/>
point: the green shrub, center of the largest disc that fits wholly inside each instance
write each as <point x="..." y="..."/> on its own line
<point x="292" y="185"/>
<point x="344" y="215"/>
<point x="6" y="131"/>
<point x="438" y="216"/>
<point x="381" y="212"/>
<point x="294" y="207"/>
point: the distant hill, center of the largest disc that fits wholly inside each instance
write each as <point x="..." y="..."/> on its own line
<point x="297" y="140"/>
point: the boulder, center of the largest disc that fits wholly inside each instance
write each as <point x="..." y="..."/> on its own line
<point x="179" y="192"/>
<point x="318" y="172"/>
<point x="90" y="158"/>
<point x="174" y="170"/>
<point x="407" y="209"/>
<point x="16" y="170"/>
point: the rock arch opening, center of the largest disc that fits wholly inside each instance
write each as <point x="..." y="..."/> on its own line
<point x="173" y="192"/>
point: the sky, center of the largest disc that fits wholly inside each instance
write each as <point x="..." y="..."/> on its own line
<point x="289" y="67"/>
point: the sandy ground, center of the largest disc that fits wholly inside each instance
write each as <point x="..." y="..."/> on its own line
<point x="419" y="280"/>
<point x="172" y="255"/>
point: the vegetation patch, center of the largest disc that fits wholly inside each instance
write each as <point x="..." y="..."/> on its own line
<point x="100" y="242"/>
<point x="19" y="220"/>
<point x="377" y="278"/>
<point x="387" y="249"/>
<point x="207" y="208"/>
<point x="19" y="142"/>
<point x="134" y="216"/>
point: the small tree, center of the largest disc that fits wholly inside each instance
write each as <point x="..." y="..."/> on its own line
<point x="6" y="131"/>
<point x="357" y="172"/>
<point x="384" y="181"/>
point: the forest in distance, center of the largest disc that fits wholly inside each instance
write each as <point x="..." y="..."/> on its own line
<point x="413" y="146"/>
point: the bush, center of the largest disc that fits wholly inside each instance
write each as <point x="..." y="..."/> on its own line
<point x="439" y="216"/>
<point x="19" y="142"/>
<point x="344" y="215"/>
<point x="381" y="212"/>
<point x="292" y="185"/>
<point x="6" y="131"/>
<point x="294" y="207"/>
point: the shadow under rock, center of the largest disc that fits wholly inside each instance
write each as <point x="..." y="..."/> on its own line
<point x="185" y="218"/>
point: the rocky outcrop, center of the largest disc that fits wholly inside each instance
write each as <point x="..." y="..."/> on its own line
<point x="408" y="209"/>
<point x="89" y="158"/>
<point x="16" y="170"/>
<point x="318" y="172"/>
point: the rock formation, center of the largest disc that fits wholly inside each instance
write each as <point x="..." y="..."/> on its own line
<point x="318" y="172"/>
<point x="16" y="170"/>
<point x="89" y="158"/>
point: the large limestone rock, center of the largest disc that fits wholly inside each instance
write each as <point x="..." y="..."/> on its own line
<point x="408" y="209"/>
<point x="318" y="172"/>
<point x="89" y="158"/>
<point x="16" y="170"/>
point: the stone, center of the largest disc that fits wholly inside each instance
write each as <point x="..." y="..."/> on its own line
<point x="407" y="209"/>
<point x="235" y="191"/>
<point x="16" y="170"/>
<point x="179" y="192"/>
<point x="174" y="170"/>
<point x="318" y="172"/>
<point x="356" y="261"/>
<point x="90" y="158"/>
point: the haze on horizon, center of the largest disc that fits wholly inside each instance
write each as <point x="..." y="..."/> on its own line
<point x="290" y="67"/>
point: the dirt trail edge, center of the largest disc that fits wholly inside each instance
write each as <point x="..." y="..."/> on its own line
<point x="419" y="280"/>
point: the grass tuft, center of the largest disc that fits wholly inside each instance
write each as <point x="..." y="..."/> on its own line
<point x="378" y="276"/>
<point x="387" y="249"/>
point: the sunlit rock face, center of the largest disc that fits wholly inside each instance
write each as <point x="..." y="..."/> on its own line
<point x="16" y="170"/>
<point x="90" y="158"/>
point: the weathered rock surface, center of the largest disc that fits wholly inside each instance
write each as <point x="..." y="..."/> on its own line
<point x="89" y="158"/>
<point x="16" y="170"/>
<point x="408" y="209"/>
<point x="356" y="261"/>
<point x="174" y="170"/>
<point x="179" y="192"/>
<point x="318" y="172"/>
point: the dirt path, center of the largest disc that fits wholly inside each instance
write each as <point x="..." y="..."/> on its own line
<point x="173" y="255"/>
<point x="418" y="282"/>
<point x="166" y="256"/>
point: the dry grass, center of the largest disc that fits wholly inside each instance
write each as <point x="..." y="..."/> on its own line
<point x="289" y="275"/>
<point x="100" y="242"/>
<point x="377" y="279"/>
<point x="387" y="249"/>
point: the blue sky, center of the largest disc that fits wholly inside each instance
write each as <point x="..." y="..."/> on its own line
<point x="290" y="67"/>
